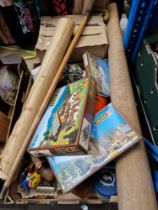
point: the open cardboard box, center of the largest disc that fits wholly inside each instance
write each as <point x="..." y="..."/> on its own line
<point x="67" y="199"/>
<point x="10" y="113"/>
<point x="95" y="31"/>
<point x="83" y="193"/>
<point x="93" y="39"/>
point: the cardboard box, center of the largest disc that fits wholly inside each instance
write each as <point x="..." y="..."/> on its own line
<point x="93" y="39"/>
<point x="66" y="125"/>
<point x="12" y="112"/>
<point x="4" y="124"/>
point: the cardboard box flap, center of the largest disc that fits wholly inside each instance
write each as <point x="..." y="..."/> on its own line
<point x="93" y="36"/>
<point x="94" y="39"/>
<point x="89" y="30"/>
<point x="46" y="31"/>
<point x="93" y="21"/>
<point x="11" y="59"/>
<point x="46" y="20"/>
<point x="41" y="41"/>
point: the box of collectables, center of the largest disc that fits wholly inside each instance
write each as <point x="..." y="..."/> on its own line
<point x="66" y="124"/>
<point x="15" y="84"/>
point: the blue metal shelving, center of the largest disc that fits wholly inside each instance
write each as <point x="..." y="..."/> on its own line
<point x="143" y="18"/>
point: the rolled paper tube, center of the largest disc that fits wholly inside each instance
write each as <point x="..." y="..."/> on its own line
<point x="50" y="65"/>
<point x="134" y="183"/>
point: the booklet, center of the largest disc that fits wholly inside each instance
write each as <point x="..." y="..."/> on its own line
<point x="111" y="136"/>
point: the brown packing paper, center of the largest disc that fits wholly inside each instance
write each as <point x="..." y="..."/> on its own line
<point x="49" y="68"/>
<point x="134" y="183"/>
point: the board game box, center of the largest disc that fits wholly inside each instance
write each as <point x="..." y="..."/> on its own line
<point x="66" y="124"/>
<point x="111" y="136"/>
<point x="99" y="70"/>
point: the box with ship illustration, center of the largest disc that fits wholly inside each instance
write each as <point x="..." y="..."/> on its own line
<point x="66" y="124"/>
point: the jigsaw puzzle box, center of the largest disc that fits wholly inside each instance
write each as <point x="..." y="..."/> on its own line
<point x="66" y="125"/>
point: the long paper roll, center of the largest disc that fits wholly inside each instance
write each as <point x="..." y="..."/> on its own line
<point x="134" y="183"/>
<point x="49" y="68"/>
